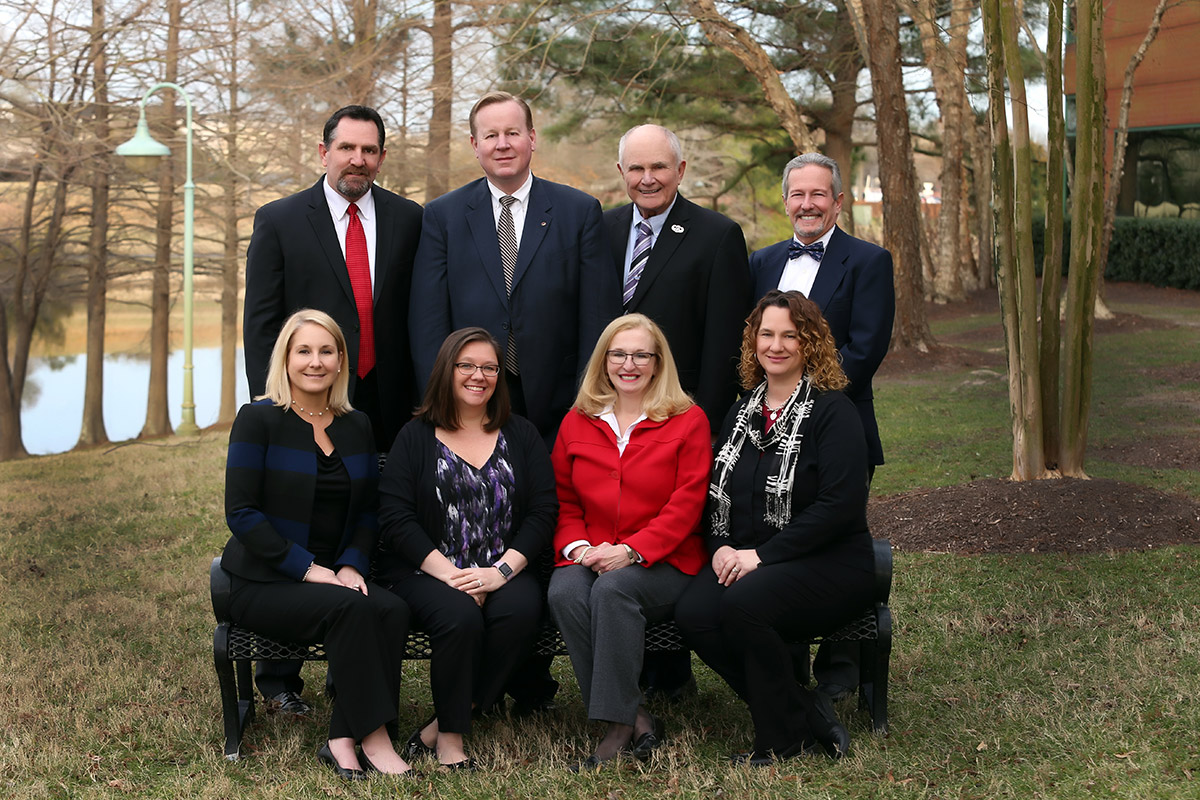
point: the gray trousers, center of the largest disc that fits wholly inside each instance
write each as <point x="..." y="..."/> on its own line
<point x="603" y="622"/>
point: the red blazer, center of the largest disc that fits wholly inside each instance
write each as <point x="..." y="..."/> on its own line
<point x="650" y="498"/>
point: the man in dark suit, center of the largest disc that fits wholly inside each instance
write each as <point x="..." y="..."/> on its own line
<point x="520" y="256"/>
<point x="684" y="267"/>
<point x="692" y="278"/>
<point x="851" y="281"/>
<point x="346" y="247"/>
<point x="526" y="259"/>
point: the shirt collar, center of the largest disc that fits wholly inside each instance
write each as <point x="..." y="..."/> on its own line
<point x="521" y="194"/>
<point x="657" y="221"/>
<point x="825" y="237"/>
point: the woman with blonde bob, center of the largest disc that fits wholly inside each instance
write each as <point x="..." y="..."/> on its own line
<point x="300" y="499"/>
<point x="631" y="464"/>
<point x="787" y="529"/>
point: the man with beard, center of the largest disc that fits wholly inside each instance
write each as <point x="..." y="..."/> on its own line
<point x="346" y="247"/>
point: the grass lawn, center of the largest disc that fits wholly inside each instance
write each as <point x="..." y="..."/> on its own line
<point x="1012" y="676"/>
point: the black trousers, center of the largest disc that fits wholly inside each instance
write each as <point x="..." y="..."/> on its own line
<point x="740" y="631"/>
<point x="363" y="636"/>
<point x="474" y="649"/>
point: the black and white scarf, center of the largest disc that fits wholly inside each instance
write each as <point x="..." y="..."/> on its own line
<point x="785" y="430"/>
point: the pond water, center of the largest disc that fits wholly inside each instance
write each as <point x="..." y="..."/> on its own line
<point x="52" y="407"/>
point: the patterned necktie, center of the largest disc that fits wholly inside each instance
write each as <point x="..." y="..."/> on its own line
<point x="358" y="264"/>
<point x="815" y="250"/>
<point x="641" y="254"/>
<point x="506" y="231"/>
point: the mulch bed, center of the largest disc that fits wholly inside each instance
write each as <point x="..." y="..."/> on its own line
<point x="1049" y="516"/>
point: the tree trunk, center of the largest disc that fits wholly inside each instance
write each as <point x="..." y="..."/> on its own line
<point x="901" y="203"/>
<point x="92" y="431"/>
<point x="1087" y="229"/>
<point x="1051" y="327"/>
<point x="838" y="121"/>
<point x="949" y="85"/>
<point x="229" y="263"/>
<point x="1019" y="275"/>
<point x="158" y="419"/>
<point x="437" y="151"/>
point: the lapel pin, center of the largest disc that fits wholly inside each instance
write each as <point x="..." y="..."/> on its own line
<point x="543" y="223"/>
<point x="677" y="228"/>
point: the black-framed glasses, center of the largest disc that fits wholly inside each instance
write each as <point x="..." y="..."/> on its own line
<point x="639" y="358"/>
<point x="467" y="368"/>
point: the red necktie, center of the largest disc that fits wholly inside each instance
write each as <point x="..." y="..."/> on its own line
<point x="358" y="264"/>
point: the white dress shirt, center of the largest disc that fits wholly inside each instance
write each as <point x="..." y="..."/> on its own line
<point x="518" y="208"/>
<point x="800" y="273"/>
<point x="656" y="226"/>
<point x="339" y="208"/>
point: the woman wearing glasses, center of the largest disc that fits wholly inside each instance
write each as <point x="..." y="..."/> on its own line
<point x="631" y="464"/>
<point x="466" y="503"/>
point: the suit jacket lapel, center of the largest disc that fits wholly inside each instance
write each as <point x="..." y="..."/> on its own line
<point x="385" y="240"/>
<point x="538" y="218"/>
<point x="322" y="223"/>
<point x="482" y="223"/>
<point x="619" y="222"/>
<point x="832" y="269"/>
<point x="668" y="241"/>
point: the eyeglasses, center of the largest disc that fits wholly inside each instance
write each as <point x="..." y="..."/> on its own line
<point x="467" y="368"/>
<point x="619" y="356"/>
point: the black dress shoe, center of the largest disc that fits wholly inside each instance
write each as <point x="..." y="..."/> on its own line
<point x="594" y="763"/>
<point x="326" y="757"/>
<point x="528" y="709"/>
<point x="292" y="703"/>
<point x="645" y="745"/>
<point x="756" y="758"/>
<point x="834" y="691"/>
<point x="414" y="748"/>
<point x="827" y="728"/>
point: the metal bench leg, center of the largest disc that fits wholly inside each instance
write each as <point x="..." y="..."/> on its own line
<point x="882" y="662"/>
<point x="231" y="710"/>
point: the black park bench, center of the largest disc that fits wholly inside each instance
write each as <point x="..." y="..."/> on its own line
<point x="235" y="649"/>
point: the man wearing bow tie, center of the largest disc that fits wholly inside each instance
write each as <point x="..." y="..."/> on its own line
<point x="682" y="265"/>
<point x="851" y="281"/>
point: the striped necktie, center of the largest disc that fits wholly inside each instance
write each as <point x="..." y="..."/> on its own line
<point x="641" y="254"/>
<point x="506" y="231"/>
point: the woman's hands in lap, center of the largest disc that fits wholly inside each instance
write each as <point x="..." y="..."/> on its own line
<point x="732" y="565"/>
<point x="606" y="557"/>
<point x="478" y="582"/>
<point x="346" y="576"/>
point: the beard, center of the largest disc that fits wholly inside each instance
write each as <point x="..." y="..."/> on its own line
<point x="353" y="185"/>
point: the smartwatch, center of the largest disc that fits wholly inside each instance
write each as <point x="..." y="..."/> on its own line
<point x="505" y="569"/>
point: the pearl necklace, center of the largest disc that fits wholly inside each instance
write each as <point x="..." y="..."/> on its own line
<point x="310" y="413"/>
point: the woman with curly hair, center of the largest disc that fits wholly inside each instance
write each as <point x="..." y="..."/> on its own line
<point x="786" y="527"/>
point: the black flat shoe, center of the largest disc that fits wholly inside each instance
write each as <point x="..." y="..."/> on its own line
<point x="827" y="728"/>
<point x="594" y="763"/>
<point x="414" y="748"/>
<point x="466" y="765"/>
<point x="645" y="745"/>
<point x="326" y="757"/>
<point x="408" y="774"/>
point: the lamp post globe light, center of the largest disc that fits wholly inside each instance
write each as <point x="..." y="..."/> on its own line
<point x="143" y="148"/>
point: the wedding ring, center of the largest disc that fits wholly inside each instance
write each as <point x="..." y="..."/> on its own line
<point x="478" y="583"/>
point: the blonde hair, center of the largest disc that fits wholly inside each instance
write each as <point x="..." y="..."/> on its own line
<point x="664" y="396"/>
<point x="279" y="387"/>
<point x="822" y="361"/>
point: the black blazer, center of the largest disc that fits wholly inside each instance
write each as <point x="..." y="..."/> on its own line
<point x="696" y="286"/>
<point x="829" y="491"/>
<point x="294" y="261"/>
<point x="563" y="292"/>
<point x="412" y="521"/>
<point x="856" y="295"/>
<point x="270" y="482"/>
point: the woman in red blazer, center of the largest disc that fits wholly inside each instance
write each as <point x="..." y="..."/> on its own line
<point x="631" y="464"/>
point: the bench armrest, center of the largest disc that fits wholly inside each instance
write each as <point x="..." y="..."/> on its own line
<point x="220" y="584"/>
<point x="883" y="570"/>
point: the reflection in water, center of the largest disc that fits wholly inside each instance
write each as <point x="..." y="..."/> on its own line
<point x="52" y="406"/>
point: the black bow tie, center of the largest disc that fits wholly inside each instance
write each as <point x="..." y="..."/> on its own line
<point x="816" y="250"/>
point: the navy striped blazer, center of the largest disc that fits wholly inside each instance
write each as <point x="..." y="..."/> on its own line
<point x="270" y="481"/>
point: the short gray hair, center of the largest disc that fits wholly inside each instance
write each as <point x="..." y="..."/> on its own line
<point x="672" y="140"/>
<point x="821" y="160"/>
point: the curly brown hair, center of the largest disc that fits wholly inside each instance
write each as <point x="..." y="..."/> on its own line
<point x="822" y="362"/>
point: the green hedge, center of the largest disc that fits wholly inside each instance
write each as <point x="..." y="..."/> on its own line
<point x="1162" y="252"/>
